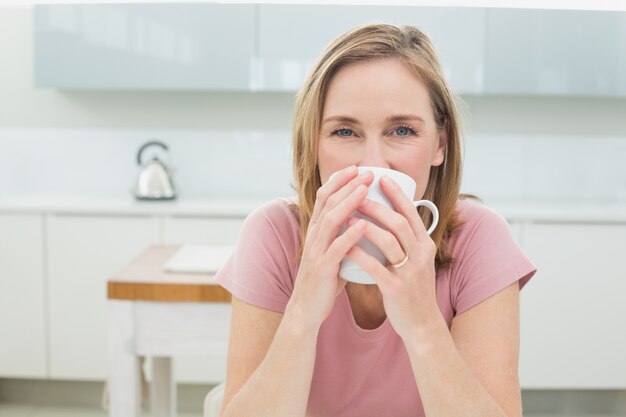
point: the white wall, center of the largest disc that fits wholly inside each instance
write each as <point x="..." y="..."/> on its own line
<point x="529" y="148"/>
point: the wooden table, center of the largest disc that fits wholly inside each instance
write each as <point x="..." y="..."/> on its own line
<point x="161" y="315"/>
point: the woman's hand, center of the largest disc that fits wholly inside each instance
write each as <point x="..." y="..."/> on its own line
<point x="408" y="292"/>
<point x="318" y="284"/>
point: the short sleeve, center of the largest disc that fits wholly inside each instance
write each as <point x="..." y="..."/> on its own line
<point x="259" y="270"/>
<point x="488" y="259"/>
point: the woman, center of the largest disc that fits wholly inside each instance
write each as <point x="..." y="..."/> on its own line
<point x="438" y="335"/>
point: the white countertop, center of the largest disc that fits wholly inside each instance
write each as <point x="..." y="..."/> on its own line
<point x="129" y="206"/>
<point x="537" y="212"/>
<point x="562" y="213"/>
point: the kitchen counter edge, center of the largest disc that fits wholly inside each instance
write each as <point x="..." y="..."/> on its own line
<point x="516" y="211"/>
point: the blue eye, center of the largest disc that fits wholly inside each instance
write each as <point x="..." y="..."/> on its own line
<point x="404" y="131"/>
<point x="343" y="132"/>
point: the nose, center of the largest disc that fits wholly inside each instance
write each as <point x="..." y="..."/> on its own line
<point x="373" y="154"/>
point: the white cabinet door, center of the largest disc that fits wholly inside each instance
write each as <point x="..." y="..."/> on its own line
<point x="209" y="369"/>
<point x="458" y="36"/>
<point x="83" y="252"/>
<point x="22" y="294"/>
<point x="573" y="323"/>
<point x="144" y="46"/>
<point x="556" y="52"/>
<point x="200" y="230"/>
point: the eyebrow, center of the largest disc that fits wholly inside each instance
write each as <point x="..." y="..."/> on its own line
<point x="394" y="118"/>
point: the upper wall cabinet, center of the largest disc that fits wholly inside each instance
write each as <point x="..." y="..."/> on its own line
<point x="555" y="52"/>
<point x="292" y="36"/>
<point x="144" y="46"/>
<point x="265" y="47"/>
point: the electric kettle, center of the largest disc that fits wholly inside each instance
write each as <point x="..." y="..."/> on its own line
<point x="154" y="181"/>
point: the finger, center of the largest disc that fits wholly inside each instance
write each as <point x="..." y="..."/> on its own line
<point x="370" y="264"/>
<point x="342" y="244"/>
<point x="384" y="240"/>
<point x="365" y="178"/>
<point x="334" y="183"/>
<point x="395" y="223"/>
<point x="333" y="219"/>
<point x="402" y="204"/>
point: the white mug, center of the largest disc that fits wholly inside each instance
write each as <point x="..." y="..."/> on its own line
<point x="350" y="270"/>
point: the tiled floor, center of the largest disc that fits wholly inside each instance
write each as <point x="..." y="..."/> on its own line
<point x="18" y="410"/>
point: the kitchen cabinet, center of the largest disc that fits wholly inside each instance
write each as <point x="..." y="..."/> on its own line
<point x="555" y="52"/>
<point x="144" y="46"/>
<point x="197" y="46"/>
<point x="458" y="35"/>
<point x="484" y="51"/>
<point x="83" y="252"/>
<point x="574" y="310"/>
<point x="179" y="230"/>
<point x="23" y="350"/>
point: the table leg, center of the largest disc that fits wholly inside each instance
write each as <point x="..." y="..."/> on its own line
<point x="124" y="365"/>
<point x="162" y="388"/>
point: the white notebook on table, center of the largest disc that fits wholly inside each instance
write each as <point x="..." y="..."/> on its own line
<point x="199" y="258"/>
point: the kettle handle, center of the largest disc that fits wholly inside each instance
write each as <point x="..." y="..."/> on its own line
<point x="147" y="144"/>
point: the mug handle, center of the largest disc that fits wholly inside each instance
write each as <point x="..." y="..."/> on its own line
<point x="433" y="209"/>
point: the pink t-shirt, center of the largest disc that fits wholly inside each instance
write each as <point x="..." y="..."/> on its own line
<point x="361" y="372"/>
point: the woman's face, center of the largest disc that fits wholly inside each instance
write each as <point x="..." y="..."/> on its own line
<point x="378" y="113"/>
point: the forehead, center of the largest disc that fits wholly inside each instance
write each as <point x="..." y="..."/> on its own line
<point x="377" y="87"/>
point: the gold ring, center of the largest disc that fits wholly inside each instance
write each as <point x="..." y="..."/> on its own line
<point x="401" y="263"/>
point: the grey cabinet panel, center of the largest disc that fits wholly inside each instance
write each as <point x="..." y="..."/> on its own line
<point x="556" y="52"/>
<point x="144" y="46"/>
<point x="292" y="36"/>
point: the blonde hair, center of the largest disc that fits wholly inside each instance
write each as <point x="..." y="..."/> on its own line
<point x="366" y="43"/>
